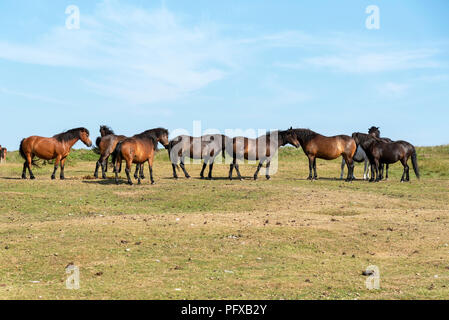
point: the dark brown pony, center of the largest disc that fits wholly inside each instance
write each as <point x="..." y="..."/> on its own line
<point x="263" y="149"/>
<point x="379" y="151"/>
<point x="106" y="145"/>
<point x="58" y="147"/>
<point x="139" y="149"/>
<point x="316" y="145"/>
<point x="206" y="148"/>
<point x="375" y="132"/>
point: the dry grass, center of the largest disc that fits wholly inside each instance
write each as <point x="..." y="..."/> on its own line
<point x="286" y="238"/>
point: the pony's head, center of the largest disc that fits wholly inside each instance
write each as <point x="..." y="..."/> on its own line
<point x="105" y="130"/>
<point x="374" y="131"/>
<point x="162" y="136"/>
<point x="290" y="137"/>
<point x="84" y="137"/>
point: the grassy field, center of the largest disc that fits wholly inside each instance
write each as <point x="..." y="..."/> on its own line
<point x="286" y="238"/>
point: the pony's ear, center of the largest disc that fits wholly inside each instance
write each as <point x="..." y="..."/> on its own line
<point x="291" y="128"/>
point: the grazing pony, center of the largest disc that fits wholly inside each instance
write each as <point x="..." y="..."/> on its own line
<point x="375" y="132"/>
<point x="106" y="145"/>
<point x="58" y="147"/>
<point x="316" y="145"/>
<point x="207" y="147"/>
<point x="263" y="149"/>
<point x="379" y="151"/>
<point x="139" y="149"/>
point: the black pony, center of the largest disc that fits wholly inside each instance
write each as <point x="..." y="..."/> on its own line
<point x="379" y="151"/>
<point x="375" y="132"/>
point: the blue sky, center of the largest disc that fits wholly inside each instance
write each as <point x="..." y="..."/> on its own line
<point x="135" y="65"/>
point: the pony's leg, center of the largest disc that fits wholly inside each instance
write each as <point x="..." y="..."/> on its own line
<point x="343" y="164"/>
<point x="175" y="175"/>
<point x="268" y="169"/>
<point x="24" y="171"/>
<point x="118" y="163"/>
<point x="365" y="171"/>
<point x="127" y="171"/>
<point x="211" y="167"/>
<point x="61" y="174"/>
<point x="104" y="163"/>
<point x="256" y="174"/>
<point x="203" y="168"/>
<point x="97" y="166"/>
<point x="350" y="164"/>
<point x="315" y="176"/>
<point x="237" y="169"/>
<point x="150" y="165"/>
<point x="310" y="167"/>
<point x="231" y="168"/>
<point x="377" y="169"/>
<point x="142" y="176"/>
<point x="58" y="159"/>
<point x="137" y="171"/>
<point x="372" y="171"/>
<point x="387" y="166"/>
<point x="183" y="167"/>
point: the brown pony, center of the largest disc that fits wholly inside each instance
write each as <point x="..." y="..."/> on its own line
<point x="58" y="147"/>
<point x="139" y="149"/>
<point x="316" y="145"/>
<point x="106" y="145"/>
<point x="263" y="149"/>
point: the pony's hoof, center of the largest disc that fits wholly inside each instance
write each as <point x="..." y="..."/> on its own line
<point x="268" y="177"/>
<point x="142" y="177"/>
<point x="32" y="177"/>
<point x="209" y="178"/>
<point x="255" y="178"/>
<point x="24" y="177"/>
<point x="130" y="183"/>
<point x="309" y="178"/>
<point x="153" y="183"/>
<point x="53" y="178"/>
<point x="104" y="177"/>
<point x="96" y="176"/>
<point x="62" y="178"/>
<point x="202" y="177"/>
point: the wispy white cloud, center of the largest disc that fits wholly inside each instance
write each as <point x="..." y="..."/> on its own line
<point x="134" y="54"/>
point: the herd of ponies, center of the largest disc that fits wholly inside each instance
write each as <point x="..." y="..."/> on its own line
<point x="376" y="152"/>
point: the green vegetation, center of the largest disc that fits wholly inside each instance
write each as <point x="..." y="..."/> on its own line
<point x="286" y="238"/>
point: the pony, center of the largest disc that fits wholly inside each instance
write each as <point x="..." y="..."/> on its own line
<point x="379" y="151"/>
<point x="375" y="132"/>
<point x="316" y="145"/>
<point x="207" y="147"/>
<point x="139" y="149"/>
<point x="106" y="145"/>
<point x="263" y="149"/>
<point x="57" y="147"/>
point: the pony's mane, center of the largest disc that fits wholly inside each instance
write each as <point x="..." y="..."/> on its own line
<point x="107" y="130"/>
<point x="70" y="134"/>
<point x="305" y="135"/>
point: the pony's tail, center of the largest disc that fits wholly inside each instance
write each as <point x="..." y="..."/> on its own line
<point x="415" y="163"/>
<point x="97" y="148"/>
<point x="23" y="155"/>
<point x="115" y="154"/>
